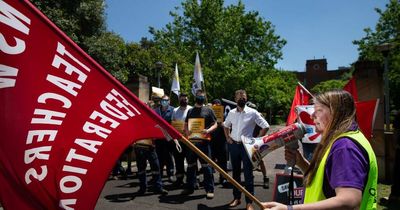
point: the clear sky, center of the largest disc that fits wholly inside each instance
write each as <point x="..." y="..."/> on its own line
<point x="312" y="28"/>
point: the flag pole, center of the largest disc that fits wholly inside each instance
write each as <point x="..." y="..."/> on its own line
<point x="220" y="170"/>
<point x="203" y="86"/>
<point x="304" y="88"/>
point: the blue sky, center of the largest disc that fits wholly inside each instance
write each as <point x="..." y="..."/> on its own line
<point x="313" y="28"/>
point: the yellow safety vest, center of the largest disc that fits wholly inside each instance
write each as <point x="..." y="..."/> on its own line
<point x="314" y="191"/>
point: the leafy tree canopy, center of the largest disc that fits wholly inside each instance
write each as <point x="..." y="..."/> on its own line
<point x="238" y="49"/>
<point x="387" y="30"/>
<point x="329" y="85"/>
<point x="79" y="19"/>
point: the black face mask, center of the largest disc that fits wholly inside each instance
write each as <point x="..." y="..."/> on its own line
<point x="183" y="103"/>
<point x="241" y="102"/>
<point x="200" y="100"/>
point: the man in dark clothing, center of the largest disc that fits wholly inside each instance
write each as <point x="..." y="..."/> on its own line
<point x="203" y="118"/>
<point x="219" y="147"/>
<point x="145" y="151"/>
<point x="165" y="149"/>
<point x="178" y="119"/>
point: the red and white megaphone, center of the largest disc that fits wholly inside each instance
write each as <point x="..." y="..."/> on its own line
<point x="258" y="147"/>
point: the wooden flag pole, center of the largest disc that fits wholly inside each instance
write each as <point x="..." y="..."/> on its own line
<point x="220" y="170"/>
<point x="304" y="88"/>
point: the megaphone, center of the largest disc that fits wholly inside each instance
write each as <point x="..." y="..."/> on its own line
<point x="259" y="147"/>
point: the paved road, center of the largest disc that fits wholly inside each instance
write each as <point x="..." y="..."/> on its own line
<point x="121" y="194"/>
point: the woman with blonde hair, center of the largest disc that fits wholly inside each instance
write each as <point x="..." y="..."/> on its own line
<point x="343" y="171"/>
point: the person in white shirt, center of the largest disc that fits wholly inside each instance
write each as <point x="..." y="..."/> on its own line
<point x="242" y="121"/>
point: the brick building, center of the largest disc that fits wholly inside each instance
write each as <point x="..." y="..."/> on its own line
<point x="317" y="71"/>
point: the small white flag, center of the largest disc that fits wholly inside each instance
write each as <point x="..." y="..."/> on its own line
<point x="175" y="87"/>
<point x="197" y="75"/>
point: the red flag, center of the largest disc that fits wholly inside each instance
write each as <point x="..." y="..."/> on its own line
<point x="352" y="88"/>
<point x="366" y="112"/>
<point x="301" y="97"/>
<point x="64" y="120"/>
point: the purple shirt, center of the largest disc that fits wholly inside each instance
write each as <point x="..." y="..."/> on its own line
<point x="347" y="165"/>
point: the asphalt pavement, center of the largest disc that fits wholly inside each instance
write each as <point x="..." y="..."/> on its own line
<point x="121" y="194"/>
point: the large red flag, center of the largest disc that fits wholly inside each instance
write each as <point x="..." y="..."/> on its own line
<point x="64" y="120"/>
<point x="366" y="112"/>
<point x="352" y="88"/>
<point x="301" y="97"/>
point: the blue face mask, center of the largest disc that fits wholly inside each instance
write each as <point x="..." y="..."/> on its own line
<point x="164" y="102"/>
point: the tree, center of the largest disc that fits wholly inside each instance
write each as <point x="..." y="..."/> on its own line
<point x="273" y="92"/>
<point x="387" y="30"/>
<point x="84" y="22"/>
<point x="109" y="49"/>
<point x="79" y="19"/>
<point x="235" y="46"/>
<point x="329" y="85"/>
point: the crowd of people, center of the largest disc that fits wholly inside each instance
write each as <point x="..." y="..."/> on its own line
<point x="341" y="173"/>
<point x="219" y="139"/>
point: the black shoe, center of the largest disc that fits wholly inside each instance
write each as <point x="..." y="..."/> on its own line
<point x="151" y="181"/>
<point x="266" y="183"/>
<point x="187" y="191"/>
<point x="177" y="184"/>
<point x="129" y="172"/>
<point x="141" y="191"/>
<point x="224" y="183"/>
<point x="161" y="191"/>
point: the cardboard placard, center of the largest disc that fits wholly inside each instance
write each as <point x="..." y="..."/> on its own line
<point x="219" y="112"/>
<point x="196" y="126"/>
<point x="178" y="125"/>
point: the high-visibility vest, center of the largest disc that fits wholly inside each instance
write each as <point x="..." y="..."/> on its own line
<point x="314" y="191"/>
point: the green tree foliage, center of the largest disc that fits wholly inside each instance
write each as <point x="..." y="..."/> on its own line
<point x="329" y="85"/>
<point x="84" y="22"/>
<point x="109" y="49"/>
<point x="275" y="90"/>
<point x="142" y="58"/>
<point x="238" y="49"/>
<point x="387" y="30"/>
<point x="79" y="19"/>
